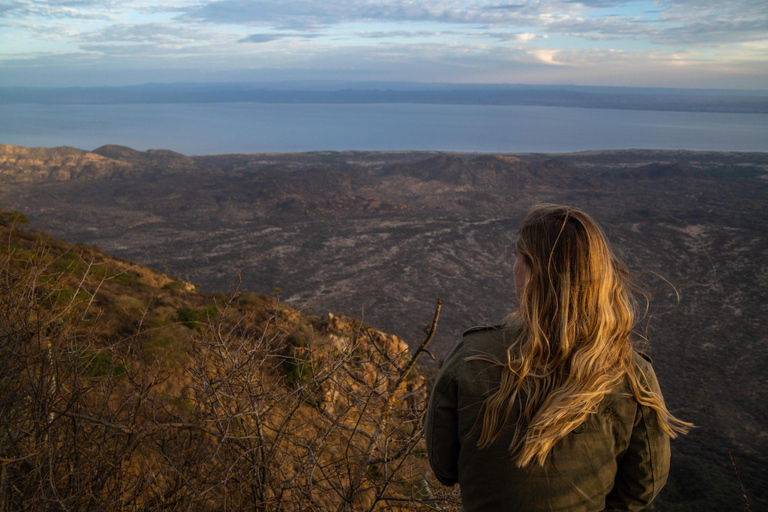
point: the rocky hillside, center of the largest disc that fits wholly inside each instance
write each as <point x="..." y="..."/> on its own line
<point x="37" y="165"/>
<point x="19" y="164"/>
<point x="123" y="388"/>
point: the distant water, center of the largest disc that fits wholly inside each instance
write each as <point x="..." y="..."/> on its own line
<point x="196" y="129"/>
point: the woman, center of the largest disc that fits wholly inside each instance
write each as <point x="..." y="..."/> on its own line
<point x="554" y="410"/>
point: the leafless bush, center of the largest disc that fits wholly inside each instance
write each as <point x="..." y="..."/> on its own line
<point x="257" y="418"/>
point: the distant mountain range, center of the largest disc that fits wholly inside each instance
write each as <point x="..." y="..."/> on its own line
<point x="625" y="98"/>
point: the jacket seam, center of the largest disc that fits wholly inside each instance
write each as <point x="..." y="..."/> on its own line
<point x="650" y="454"/>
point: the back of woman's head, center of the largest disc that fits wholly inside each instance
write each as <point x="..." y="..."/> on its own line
<point x="575" y="296"/>
<point x="572" y="336"/>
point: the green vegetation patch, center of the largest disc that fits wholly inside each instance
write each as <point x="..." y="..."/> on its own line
<point x="297" y="338"/>
<point x="299" y="369"/>
<point x="374" y="471"/>
<point x="102" y="364"/>
<point x="183" y="404"/>
<point x="161" y="316"/>
<point x="13" y="218"/>
<point x="69" y="262"/>
<point x="196" y="318"/>
<point x="69" y="296"/>
<point x="250" y="300"/>
<point x="175" y="286"/>
<point x="168" y="344"/>
<point x="96" y="363"/>
<point x="101" y="270"/>
<point x="21" y="254"/>
<point x="129" y="304"/>
<point x="128" y="278"/>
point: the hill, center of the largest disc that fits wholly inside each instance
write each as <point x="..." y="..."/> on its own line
<point x="122" y="388"/>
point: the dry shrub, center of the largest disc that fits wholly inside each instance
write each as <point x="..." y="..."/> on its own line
<point x="275" y="415"/>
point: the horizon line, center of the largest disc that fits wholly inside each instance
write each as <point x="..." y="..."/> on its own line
<point x="401" y="83"/>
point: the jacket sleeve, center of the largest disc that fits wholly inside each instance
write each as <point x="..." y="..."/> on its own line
<point x="644" y="468"/>
<point x="441" y="427"/>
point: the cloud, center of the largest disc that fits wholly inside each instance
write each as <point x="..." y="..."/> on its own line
<point x="55" y="10"/>
<point x="146" y="33"/>
<point x="681" y="22"/>
<point x="470" y="39"/>
<point x="405" y="33"/>
<point x="665" y="22"/>
<point x="298" y="59"/>
<point x="546" y="56"/>
<point x="260" y="38"/>
<point x="599" y="4"/>
<point x="85" y="9"/>
<point x="317" y="13"/>
<point x="265" y="38"/>
<point x="163" y="50"/>
<point x="603" y="28"/>
<point x="714" y="33"/>
<point x="522" y="37"/>
<point x="508" y="7"/>
<point x="155" y="40"/>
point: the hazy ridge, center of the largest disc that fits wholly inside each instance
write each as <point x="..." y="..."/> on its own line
<point x="623" y="98"/>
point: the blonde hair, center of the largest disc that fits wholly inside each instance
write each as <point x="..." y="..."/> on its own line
<point x="572" y="343"/>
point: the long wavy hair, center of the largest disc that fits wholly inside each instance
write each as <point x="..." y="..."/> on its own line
<point x="572" y="344"/>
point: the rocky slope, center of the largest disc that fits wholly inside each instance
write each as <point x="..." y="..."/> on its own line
<point x="152" y="396"/>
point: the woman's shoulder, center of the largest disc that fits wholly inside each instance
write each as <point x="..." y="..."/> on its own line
<point x="481" y="355"/>
<point x="502" y="333"/>
<point x="490" y="340"/>
<point x="644" y="364"/>
<point x="483" y="328"/>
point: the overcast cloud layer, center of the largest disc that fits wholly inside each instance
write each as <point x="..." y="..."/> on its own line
<point x="683" y="43"/>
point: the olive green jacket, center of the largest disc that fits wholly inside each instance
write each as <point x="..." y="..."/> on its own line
<point x="618" y="459"/>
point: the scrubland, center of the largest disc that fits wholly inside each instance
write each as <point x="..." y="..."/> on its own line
<point x="122" y="388"/>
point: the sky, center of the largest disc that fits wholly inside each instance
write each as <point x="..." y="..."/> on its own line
<point x="660" y="43"/>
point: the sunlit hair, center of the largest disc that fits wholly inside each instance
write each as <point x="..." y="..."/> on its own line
<point x="571" y="345"/>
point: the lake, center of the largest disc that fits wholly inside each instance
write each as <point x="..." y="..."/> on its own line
<point x="212" y="128"/>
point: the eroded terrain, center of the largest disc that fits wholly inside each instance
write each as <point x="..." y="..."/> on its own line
<point x="384" y="234"/>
